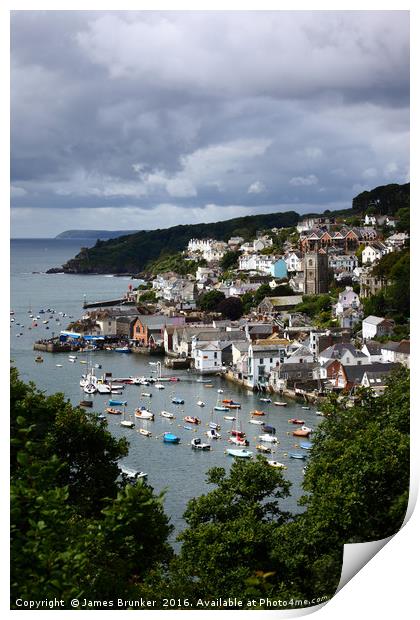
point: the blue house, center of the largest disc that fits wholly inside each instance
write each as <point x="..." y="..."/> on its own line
<point x="279" y="269"/>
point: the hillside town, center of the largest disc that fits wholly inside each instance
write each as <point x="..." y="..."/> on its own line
<point x="285" y="312"/>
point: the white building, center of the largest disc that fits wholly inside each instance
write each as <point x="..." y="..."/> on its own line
<point x="294" y="261"/>
<point x="373" y="252"/>
<point x="261" y="359"/>
<point x="207" y="357"/>
<point x="342" y="262"/>
<point x="373" y="326"/>
<point x="397" y="240"/>
<point x="345" y="353"/>
<point x="347" y="299"/>
<point x="199" y="245"/>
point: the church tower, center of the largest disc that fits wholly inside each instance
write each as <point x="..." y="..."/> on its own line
<point x="315" y="272"/>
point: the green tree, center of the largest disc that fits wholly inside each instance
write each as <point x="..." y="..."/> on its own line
<point x="263" y="291"/>
<point x="229" y="260"/>
<point x="231" y="308"/>
<point x="248" y="301"/>
<point x="210" y="300"/>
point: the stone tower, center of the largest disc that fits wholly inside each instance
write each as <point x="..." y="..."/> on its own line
<point x="315" y="271"/>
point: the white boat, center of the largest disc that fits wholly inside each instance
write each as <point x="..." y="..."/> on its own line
<point x="319" y="413"/>
<point x="279" y="403"/>
<point x="229" y="417"/>
<point x="265" y="400"/>
<point x="144" y="414"/>
<point x="159" y="386"/>
<point x="259" y="422"/>
<point x="103" y="388"/>
<point x="220" y="391"/>
<point x="71" y="360"/>
<point x="305" y="407"/>
<point x="243" y="454"/>
<point x="127" y="423"/>
<point x="213" y="434"/>
<point x="197" y="445"/>
<point x="134" y="475"/>
<point x="200" y="403"/>
<point x="277" y="464"/>
<point x="238" y="441"/>
<point x="145" y="432"/>
<point x="148" y="394"/>
<point x="268" y="438"/>
<point x="306" y="429"/>
<point x="167" y="414"/>
<point x="153" y="363"/>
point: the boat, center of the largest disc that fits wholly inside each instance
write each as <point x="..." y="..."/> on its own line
<point x="197" y="445"/>
<point x="72" y="357"/>
<point x="145" y="432"/>
<point x="276" y="464"/>
<point x="133" y="475"/>
<point x="237" y="433"/>
<point x="214" y="425"/>
<point x="259" y="422"/>
<point x="170" y="438"/>
<point x="306" y="428"/>
<point x="209" y="385"/>
<point x="319" y="413"/>
<point x="192" y="419"/>
<point x="167" y="414"/>
<point x="59" y="365"/>
<point x="268" y="438"/>
<point x="201" y="380"/>
<point x="188" y="428"/>
<point x="238" y="441"/>
<point x="229" y="417"/>
<point x="257" y="412"/>
<point x="242" y="454"/>
<point x="86" y="403"/>
<point x="268" y="429"/>
<point x="89" y="388"/>
<point x="297" y="455"/>
<point x="144" y="414"/>
<point x="279" y="403"/>
<point x="264" y="449"/>
<point x="300" y="433"/>
<point x="127" y="423"/>
<point x="296" y="421"/>
<point x="113" y="411"/>
<point x="153" y="363"/>
<point x="146" y="394"/>
<point x="265" y="400"/>
<point x="117" y="403"/>
<point x="103" y="388"/>
<point x="213" y="434"/>
<point x="306" y="445"/>
<point x="219" y="406"/>
<point x="178" y="401"/>
<point x="200" y="403"/>
<point x="305" y="407"/>
<point x="39" y="359"/>
<point x="233" y="405"/>
<point x="229" y="401"/>
<point x="220" y="391"/>
<point x="73" y="361"/>
<point x="122" y="350"/>
<point x="159" y="386"/>
<point x="101" y="416"/>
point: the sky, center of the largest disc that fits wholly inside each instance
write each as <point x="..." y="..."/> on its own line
<point x="140" y="120"/>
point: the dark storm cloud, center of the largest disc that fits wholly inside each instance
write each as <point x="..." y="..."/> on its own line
<point x="139" y="112"/>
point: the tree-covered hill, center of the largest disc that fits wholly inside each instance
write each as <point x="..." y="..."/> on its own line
<point x="131" y="253"/>
<point x="384" y="200"/>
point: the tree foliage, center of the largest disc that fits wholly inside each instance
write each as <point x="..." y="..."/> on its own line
<point x="210" y="300"/>
<point x="229" y="260"/>
<point x="231" y="308"/>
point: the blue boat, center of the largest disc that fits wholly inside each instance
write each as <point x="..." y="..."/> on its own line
<point x="114" y="403"/>
<point x="189" y="428"/>
<point x="268" y="429"/>
<point x="178" y="401"/>
<point x="297" y="455"/>
<point x="170" y="438"/>
<point x="306" y="445"/>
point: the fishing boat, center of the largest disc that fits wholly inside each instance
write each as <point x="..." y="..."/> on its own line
<point x="146" y="394"/>
<point x="167" y="414"/>
<point x="296" y="421"/>
<point x="122" y="350"/>
<point x="113" y="411"/>
<point x="257" y="412"/>
<point x="300" y="433"/>
<point x="192" y="419"/>
<point x="200" y="403"/>
<point x="268" y="429"/>
<point x="197" y="445"/>
<point x="229" y="417"/>
<point x="242" y="454"/>
<point x="269" y="438"/>
<point x="86" y="403"/>
<point x="213" y="434"/>
<point x="297" y="455"/>
<point x="279" y="403"/>
<point x="306" y="445"/>
<point x="265" y="400"/>
<point x="170" y="438"/>
<point x="178" y="401"/>
<point x="144" y="414"/>
<point x="264" y="449"/>
<point x="276" y="464"/>
<point x="39" y="359"/>
<point x="259" y="422"/>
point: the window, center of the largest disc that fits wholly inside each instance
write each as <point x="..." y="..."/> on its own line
<point x="261" y="360"/>
<point x="215" y="355"/>
<point x="271" y="360"/>
<point x="310" y="262"/>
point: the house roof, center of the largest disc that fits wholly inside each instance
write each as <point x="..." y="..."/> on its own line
<point x="355" y="374"/>
<point x="287" y="300"/>
<point x="336" y="351"/>
<point x="373" y="320"/>
<point x="398" y="347"/>
<point x="373" y="347"/>
<point x="262" y="328"/>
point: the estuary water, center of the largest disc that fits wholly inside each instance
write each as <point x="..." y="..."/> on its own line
<point x="177" y="469"/>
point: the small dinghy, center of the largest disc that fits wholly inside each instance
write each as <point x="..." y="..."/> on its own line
<point x="305" y="407"/>
<point x="127" y="423"/>
<point x="220" y="391"/>
<point x="178" y="401"/>
<point x="59" y="365"/>
<point x="192" y="419"/>
<point x="263" y="449"/>
<point x="297" y="455"/>
<point x="259" y="422"/>
<point x="296" y="421"/>
<point x="170" y="438"/>
<point x="117" y="403"/>
<point x="113" y="411"/>
<point x="242" y="454"/>
<point x="279" y="403"/>
<point x="159" y="386"/>
<point x="145" y="432"/>
<point x="86" y="403"/>
<point x="319" y="413"/>
<point x="265" y="400"/>
<point x="306" y="445"/>
<point x="257" y="412"/>
<point x="144" y="414"/>
<point x="146" y="394"/>
<point x="197" y="445"/>
<point x="300" y="433"/>
<point x="268" y="429"/>
<point x="307" y="429"/>
<point x="39" y="359"/>
<point x="231" y="418"/>
<point x="167" y="414"/>
<point x="214" y="425"/>
<point x="200" y="403"/>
